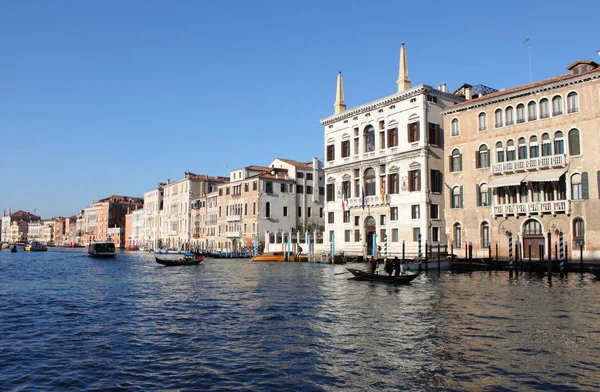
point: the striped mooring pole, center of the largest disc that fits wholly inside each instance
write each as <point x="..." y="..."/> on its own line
<point x="510" y="251"/>
<point x="420" y="254"/>
<point x="332" y="247"/>
<point x="561" y="245"/>
<point x="385" y="246"/>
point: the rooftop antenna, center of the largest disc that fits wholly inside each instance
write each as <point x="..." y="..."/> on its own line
<point x="527" y="43"/>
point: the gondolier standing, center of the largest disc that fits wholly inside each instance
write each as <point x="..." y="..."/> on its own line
<point x="373" y="263"/>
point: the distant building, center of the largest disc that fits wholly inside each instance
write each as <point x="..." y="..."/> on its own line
<point x="21" y="216"/>
<point x="105" y="214"/>
<point x="153" y="206"/>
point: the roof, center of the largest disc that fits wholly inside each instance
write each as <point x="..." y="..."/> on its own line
<point x="579" y="62"/>
<point x="303" y="165"/>
<point x="122" y="200"/>
<point x="206" y="177"/>
<point x="258" y="168"/>
<point x="269" y="176"/>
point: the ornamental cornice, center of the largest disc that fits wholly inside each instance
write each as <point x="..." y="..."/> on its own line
<point x="365" y="163"/>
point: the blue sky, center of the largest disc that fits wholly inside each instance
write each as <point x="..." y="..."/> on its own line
<point x="111" y="97"/>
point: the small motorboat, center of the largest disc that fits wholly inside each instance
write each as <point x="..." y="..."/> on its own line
<point x="102" y="249"/>
<point x="13" y="249"/>
<point x="595" y="271"/>
<point x="36" y="246"/>
<point x="185" y="259"/>
<point x="367" y="276"/>
<point x="276" y="256"/>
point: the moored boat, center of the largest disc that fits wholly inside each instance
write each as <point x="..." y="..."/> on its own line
<point x="4" y="245"/>
<point x="102" y="249"/>
<point x="36" y="246"/>
<point x="276" y="256"/>
<point x="367" y="276"/>
<point x="171" y="254"/>
<point x="13" y="249"/>
<point x="184" y="259"/>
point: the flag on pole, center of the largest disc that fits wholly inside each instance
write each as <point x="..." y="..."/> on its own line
<point x="363" y="198"/>
<point x="382" y="191"/>
<point x="344" y="200"/>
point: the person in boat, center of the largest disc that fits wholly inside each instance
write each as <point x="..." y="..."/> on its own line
<point x="388" y="266"/>
<point x="397" y="266"/>
<point x="373" y="263"/>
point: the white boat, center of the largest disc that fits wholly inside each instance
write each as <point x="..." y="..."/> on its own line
<point x="102" y="249"/>
<point x="171" y="255"/>
<point x="36" y="246"/>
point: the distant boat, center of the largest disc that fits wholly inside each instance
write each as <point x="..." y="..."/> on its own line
<point x="4" y="245"/>
<point x="13" y="249"/>
<point x="276" y="256"/>
<point x="36" y="246"/>
<point x="184" y="259"/>
<point x="171" y="254"/>
<point x="102" y="249"/>
<point x="363" y="275"/>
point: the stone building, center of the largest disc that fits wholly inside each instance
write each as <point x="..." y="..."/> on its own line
<point x="105" y="214"/>
<point x="522" y="163"/>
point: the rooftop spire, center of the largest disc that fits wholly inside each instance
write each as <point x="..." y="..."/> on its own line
<point x="339" y="105"/>
<point x="403" y="79"/>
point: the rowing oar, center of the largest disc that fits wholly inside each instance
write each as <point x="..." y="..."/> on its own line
<point x="341" y="273"/>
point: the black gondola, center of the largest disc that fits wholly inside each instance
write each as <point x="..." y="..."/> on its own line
<point x="367" y="276"/>
<point x="186" y="260"/>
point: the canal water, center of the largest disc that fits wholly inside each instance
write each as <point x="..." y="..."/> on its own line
<point x="69" y="322"/>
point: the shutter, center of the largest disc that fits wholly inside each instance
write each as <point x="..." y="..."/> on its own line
<point x="461" y="197"/>
<point x="477" y="162"/>
<point x="441" y="182"/>
<point x="584" y="186"/>
<point x="408" y="133"/>
<point x="440" y="133"/>
<point x="598" y="181"/>
<point x="478" y="188"/>
<point x="489" y="196"/>
<point x="460" y="162"/>
<point x="450" y="162"/>
<point x="410" y="181"/>
<point x="418" y="133"/>
<point x="419" y="180"/>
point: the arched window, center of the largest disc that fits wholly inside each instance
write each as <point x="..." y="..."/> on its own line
<point x="246" y="209"/>
<point x="574" y="142"/>
<point x="572" y="102"/>
<point x="369" y="139"/>
<point x="544" y="108"/>
<point x="456" y="201"/>
<point x="522" y="148"/>
<point x="532" y="227"/>
<point x="511" y="153"/>
<point x="578" y="233"/>
<point x="534" y="148"/>
<point x="557" y="108"/>
<point x="499" y="152"/>
<point x="456" y="161"/>
<point x="546" y="145"/>
<point x="457" y="235"/>
<point x="520" y="113"/>
<point x="369" y="182"/>
<point x="268" y="210"/>
<point x="484" y="196"/>
<point x="482" y="121"/>
<point x="576" y="187"/>
<point x="532" y="111"/>
<point x="483" y="157"/>
<point x="559" y="143"/>
<point x="485" y="234"/>
<point x="510" y="115"/>
<point x="498" y="117"/>
<point x="455" y="127"/>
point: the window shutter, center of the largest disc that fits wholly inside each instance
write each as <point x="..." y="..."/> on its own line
<point x="419" y="181"/>
<point x="584" y="186"/>
<point x="418" y="132"/>
<point x="461" y="197"/>
<point x="489" y="197"/>
<point x="410" y="181"/>
<point x="450" y="163"/>
<point x="460" y="162"/>
<point x="477" y="163"/>
<point x="441" y="182"/>
<point x="478" y="188"/>
<point x="440" y="133"/>
<point x="598" y="181"/>
<point x="408" y="133"/>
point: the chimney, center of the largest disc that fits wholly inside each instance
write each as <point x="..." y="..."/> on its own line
<point x="443" y="89"/>
<point x="468" y="93"/>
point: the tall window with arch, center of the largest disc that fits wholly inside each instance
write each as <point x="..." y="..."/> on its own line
<point x="268" y="210"/>
<point x="532" y="111"/>
<point x="520" y="113"/>
<point x="574" y="142"/>
<point x="369" y="139"/>
<point x="572" y="102"/>
<point x="534" y="148"/>
<point x="510" y="115"/>
<point x="456" y="200"/>
<point x="498" y="118"/>
<point x="483" y="157"/>
<point x="457" y="235"/>
<point x="511" y="153"/>
<point x="544" y="108"/>
<point x="557" y="109"/>
<point x="369" y="179"/>
<point x="456" y="160"/>
<point x="482" y="120"/>
<point x="499" y="152"/>
<point x="455" y="127"/>
<point x="578" y="233"/>
<point x="485" y="234"/>
<point x="522" y="148"/>
<point x="546" y="145"/>
<point x="559" y="143"/>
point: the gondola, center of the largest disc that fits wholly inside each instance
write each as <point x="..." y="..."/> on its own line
<point x="184" y="260"/>
<point x="367" y="276"/>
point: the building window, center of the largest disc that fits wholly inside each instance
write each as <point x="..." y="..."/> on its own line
<point x="413" y="132"/>
<point x="321" y="212"/>
<point x="534" y="149"/>
<point x="457" y="235"/>
<point x="532" y="111"/>
<point x="268" y="187"/>
<point x="510" y="115"/>
<point x="369" y="139"/>
<point x="455" y="127"/>
<point x="382" y="139"/>
<point x="393" y="213"/>
<point x="456" y="160"/>
<point x="572" y="102"/>
<point x="356" y="235"/>
<point x="482" y="122"/>
<point x="284" y="211"/>
<point x="347" y="234"/>
<point x="309" y="190"/>
<point x="254" y="185"/>
<point x="435" y="137"/>
<point x="574" y="142"/>
<point x="330" y="217"/>
<point x="394" y="235"/>
<point x="435" y="234"/>
<point x="456" y="197"/>
<point x="299" y="211"/>
<point x="485" y="235"/>
<point x="345" y="148"/>
<point x="346" y="216"/>
<point x="321" y="191"/>
<point x="330" y="152"/>
<point x="557" y="108"/>
<point x="522" y="148"/>
<point x="416" y="234"/>
<point x="578" y="234"/>
<point x="393" y="183"/>
<point x="498" y="117"/>
<point x="414" y="180"/>
<point x="511" y="153"/>
<point x="546" y="145"/>
<point x="520" y="113"/>
<point x="544" y="108"/>
<point x="559" y="143"/>
<point x="437" y="181"/>
<point x="434" y="211"/>
<point x="330" y="192"/>
<point x="309" y="176"/>
<point x="415" y="210"/>
<point x="576" y="187"/>
<point x="483" y="157"/>
<point x="392" y="137"/>
<point x="299" y="189"/>
<point x="356" y="220"/>
<point x="369" y="186"/>
<point x="267" y="210"/>
<point x="499" y="152"/>
<point x="291" y="188"/>
<point x="382" y="235"/>
<point x="484" y="195"/>
<point x="282" y="188"/>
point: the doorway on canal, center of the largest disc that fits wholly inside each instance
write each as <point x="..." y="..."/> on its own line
<point x="533" y="234"/>
<point x="370" y="231"/>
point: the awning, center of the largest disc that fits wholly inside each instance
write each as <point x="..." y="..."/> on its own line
<point x="545" y="176"/>
<point x="505" y="181"/>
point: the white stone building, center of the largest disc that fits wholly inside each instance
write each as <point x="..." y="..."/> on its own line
<point x="384" y="169"/>
<point x="34" y="231"/>
<point x="153" y="205"/>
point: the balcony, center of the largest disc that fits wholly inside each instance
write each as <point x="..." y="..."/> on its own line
<point x="172" y="232"/>
<point x="530" y="164"/>
<point x="539" y="208"/>
<point x="234" y="218"/>
<point x="370" y="201"/>
<point x="233" y="234"/>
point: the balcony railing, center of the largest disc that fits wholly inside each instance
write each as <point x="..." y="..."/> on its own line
<point x="530" y="164"/>
<point x="545" y="207"/>
<point x="369" y="201"/>
<point x="234" y="218"/>
<point x="233" y="234"/>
